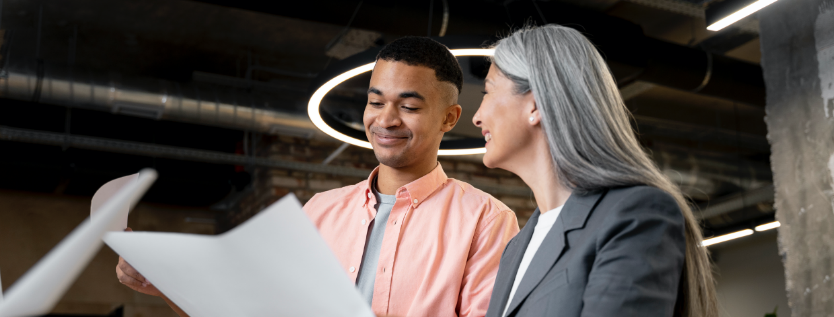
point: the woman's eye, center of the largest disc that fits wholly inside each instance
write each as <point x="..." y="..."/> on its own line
<point x="409" y="108"/>
<point x="483" y="92"/>
<point x="377" y="104"/>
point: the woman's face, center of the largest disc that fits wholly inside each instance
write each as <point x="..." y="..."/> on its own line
<point x="504" y="119"/>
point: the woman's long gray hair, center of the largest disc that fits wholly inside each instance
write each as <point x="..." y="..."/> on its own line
<point x="590" y="137"/>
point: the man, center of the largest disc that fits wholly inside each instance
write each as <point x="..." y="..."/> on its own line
<point x="415" y="242"/>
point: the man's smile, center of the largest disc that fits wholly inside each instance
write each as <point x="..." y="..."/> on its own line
<point x="387" y="139"/>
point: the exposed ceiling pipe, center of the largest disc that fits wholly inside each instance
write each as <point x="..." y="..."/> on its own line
<point x="278" y="71"/>
<point x="695" y="11"/>
<point x="172" y="152"/>
<point x="701" y="133"/>
<point x="162" y="100"/>
<point x="630" y="54"/>
<point x="738" y="201"/>
<point x="156" y="150"/>
<point x="702" y="178"/>
<point x="165" y="101"/>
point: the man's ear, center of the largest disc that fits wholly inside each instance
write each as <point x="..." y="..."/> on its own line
<point x="451" y="117"/>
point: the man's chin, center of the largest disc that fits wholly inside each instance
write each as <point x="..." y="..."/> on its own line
<point x="391" y="158"/>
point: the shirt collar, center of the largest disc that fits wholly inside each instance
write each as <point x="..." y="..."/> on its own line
<point x="416" y="191"/>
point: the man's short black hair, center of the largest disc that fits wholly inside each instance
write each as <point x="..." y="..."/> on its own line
<point x="423" y="51"/>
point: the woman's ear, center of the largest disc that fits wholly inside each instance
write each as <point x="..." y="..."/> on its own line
<point x="534" y="116"/>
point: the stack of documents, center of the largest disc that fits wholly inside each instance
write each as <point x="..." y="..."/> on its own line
<point x="275" y="264"/>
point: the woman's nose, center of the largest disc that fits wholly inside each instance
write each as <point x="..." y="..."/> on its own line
<point x="476" y="120"/>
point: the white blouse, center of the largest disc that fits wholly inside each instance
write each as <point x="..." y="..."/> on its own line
<point x="546" y="221"/>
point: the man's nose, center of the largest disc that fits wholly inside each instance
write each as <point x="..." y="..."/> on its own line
<point x="389" y="117"/>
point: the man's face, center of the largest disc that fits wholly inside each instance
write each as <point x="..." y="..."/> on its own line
<point x="407" y="113"/>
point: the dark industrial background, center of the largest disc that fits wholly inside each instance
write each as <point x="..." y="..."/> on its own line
<point x="213" y="95"/>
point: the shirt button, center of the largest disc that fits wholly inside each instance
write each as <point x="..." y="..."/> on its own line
<point x="395" y="222"/>
<point x="352" y="269"/>
<point x="363" y="222"/>
<point x="383" y="270"/>
<point x="415" y="201"/>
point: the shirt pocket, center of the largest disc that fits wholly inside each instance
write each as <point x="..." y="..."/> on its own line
<point x="549" y="285"/>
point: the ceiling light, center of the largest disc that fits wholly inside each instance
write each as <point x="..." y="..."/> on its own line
<point x="768" y="226"/>
<point x="724" y="13"/>
<point x="313" y="107"/>
<point x="727" y="237"/>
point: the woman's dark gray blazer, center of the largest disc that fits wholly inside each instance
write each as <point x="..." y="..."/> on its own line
<point x="619" y="252"/>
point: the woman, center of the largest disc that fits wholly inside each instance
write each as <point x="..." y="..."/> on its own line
<point x="612" y="236"/>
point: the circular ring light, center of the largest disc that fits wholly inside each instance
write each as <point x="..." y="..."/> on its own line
<point x="315" y="103"/>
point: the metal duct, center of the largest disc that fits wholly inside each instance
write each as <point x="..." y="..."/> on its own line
<point x="155" y="150"/>
<point x="703" y="178"/>
<point x="739" y="201"/>
<point x="630" y="54"/>
<point x="711" y="134"/>
<point x="158" y="100"/>
<point x="699" y="178"/>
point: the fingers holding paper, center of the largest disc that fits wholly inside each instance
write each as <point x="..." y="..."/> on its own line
<point x="130" y="277"/>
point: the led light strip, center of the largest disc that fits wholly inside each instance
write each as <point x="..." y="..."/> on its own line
<point x="727" y="237"/>
<point x="739" y="234"/>
<point x="768" y="226"/>
<point x="318" y="96"/>
<point x="740" y="14"/>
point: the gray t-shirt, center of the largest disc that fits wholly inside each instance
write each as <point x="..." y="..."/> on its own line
<point x="376" y="230"/>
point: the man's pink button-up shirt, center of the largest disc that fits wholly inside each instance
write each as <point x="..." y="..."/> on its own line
<point x="441" y="247"/>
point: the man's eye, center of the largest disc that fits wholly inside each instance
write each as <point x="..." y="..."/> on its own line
<point x="409" y="108"/>
<point x="483" y="92"/>
<point x="377" y="104"/>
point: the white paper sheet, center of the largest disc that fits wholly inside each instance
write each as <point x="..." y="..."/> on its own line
<point x="37" y="291"/>
<point x="106" y="192"/>
<point x="275" y="264"/>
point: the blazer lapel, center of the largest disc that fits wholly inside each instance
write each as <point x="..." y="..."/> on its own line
<point x="573" y="216"/>
<point x="506" y="273"/>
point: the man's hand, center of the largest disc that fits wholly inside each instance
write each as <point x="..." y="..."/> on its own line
<point x="129" y="276"/>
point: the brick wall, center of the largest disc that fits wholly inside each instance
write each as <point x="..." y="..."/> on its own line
<point x="270" y="184"/>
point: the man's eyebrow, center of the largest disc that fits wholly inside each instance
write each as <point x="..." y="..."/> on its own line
<point x="373" y="90"/>
<point x="412" y="94"/>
